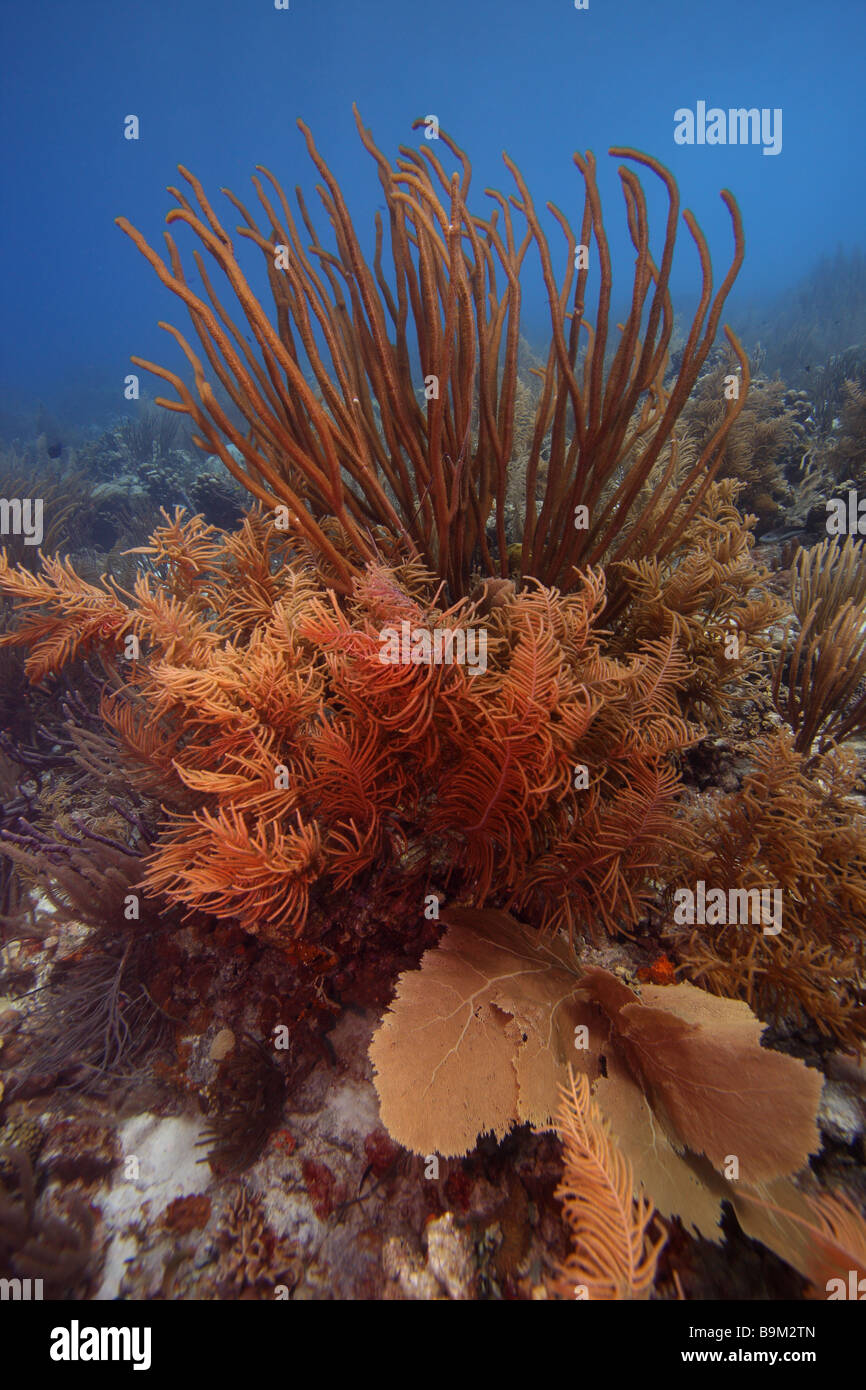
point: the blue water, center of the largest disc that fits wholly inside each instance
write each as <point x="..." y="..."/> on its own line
<point x="218" y="86"/>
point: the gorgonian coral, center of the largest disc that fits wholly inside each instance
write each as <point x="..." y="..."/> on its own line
<point x="431" y="479"/>
<point x="711" y="596"/>
<point x="823" y="663"/>
<point x="794" y="825"/>
<point x="298" y="753"/>
<point x="765" y="437"/>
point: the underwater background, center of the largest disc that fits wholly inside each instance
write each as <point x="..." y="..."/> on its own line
<point x="219" y="89"/>
<point x="433" y="760"/>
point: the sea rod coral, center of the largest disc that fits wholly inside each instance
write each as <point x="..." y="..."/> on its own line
<point x="330" y="394"/>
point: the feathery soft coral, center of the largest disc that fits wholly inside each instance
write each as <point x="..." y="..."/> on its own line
<point x="290" y="754"/>
<point x="613" y="1254"/>
<point x="60" y="616"/>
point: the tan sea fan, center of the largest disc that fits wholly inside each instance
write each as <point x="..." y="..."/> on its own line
<point x="827" y="1239"/>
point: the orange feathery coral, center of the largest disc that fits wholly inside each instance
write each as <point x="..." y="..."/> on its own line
<point x="61" y="615"/>
<point x="289" y="752"/>
<point x="613" y="1254"/>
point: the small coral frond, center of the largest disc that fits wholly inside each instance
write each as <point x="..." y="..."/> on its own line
<point x="189" y="548"/>
<point x="60" y="615"/>
<point x="825" y="672"/>
<point x="613" y="1254"/>
<point x="171" y="624"/>
<point x="825" y="577"/>
<point x="216" y="862"/>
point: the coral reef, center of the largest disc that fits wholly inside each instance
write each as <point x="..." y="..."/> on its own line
<point x="251" y="1260"/>
<point x="247" y="1104"/>
<point x="846" y="454"/>
<point x="36" y="1241"/>
<point x="439" y="631"/>
<point x="761" y="447"/>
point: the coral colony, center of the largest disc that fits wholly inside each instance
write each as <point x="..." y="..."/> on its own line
<point x="463" y="733"/>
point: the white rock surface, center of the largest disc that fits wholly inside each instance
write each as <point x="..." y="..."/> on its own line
<point x="166" y="1166"/>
